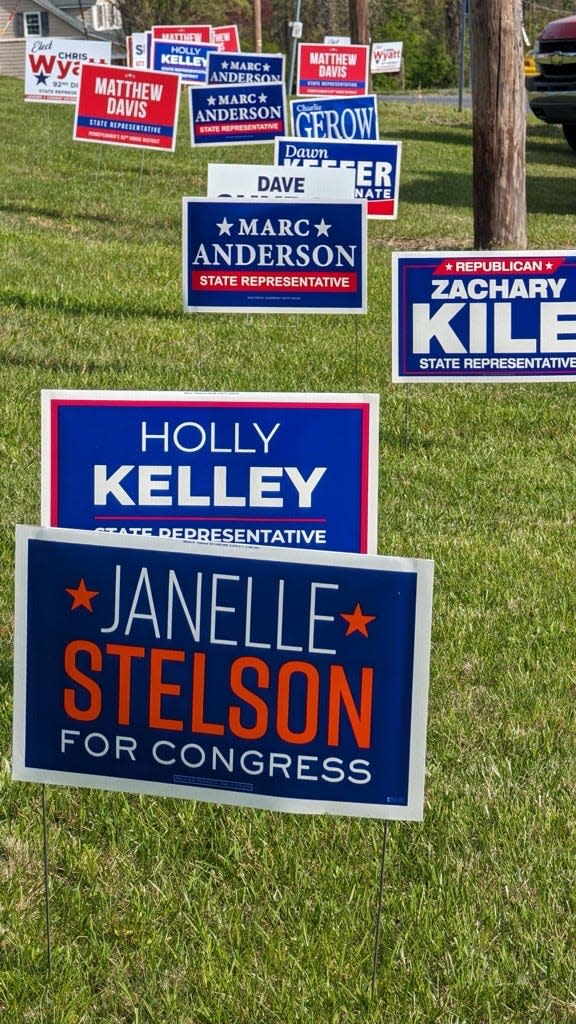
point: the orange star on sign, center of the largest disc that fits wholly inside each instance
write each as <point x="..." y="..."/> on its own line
<point x="81" y="596"/>
<point x="357" y="621"/>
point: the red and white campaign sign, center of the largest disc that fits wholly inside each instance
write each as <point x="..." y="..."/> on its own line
<point x="226" y="38"/>
<point x="127" y="107"/>
<point x="53" y="67"/>
<point x="386" y="58"/>
<point x="183" y="33"/>
<point x="332" y="70"/>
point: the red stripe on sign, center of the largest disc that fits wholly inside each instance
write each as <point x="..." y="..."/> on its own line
<point x="269" y="281"/>
<point x="380" y="207"/>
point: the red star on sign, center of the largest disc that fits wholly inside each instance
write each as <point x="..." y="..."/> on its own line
<point x="82" y="597"/>
<point x="357" y="621"/>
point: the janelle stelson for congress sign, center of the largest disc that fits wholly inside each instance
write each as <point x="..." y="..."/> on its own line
<point x="287" y="680"/>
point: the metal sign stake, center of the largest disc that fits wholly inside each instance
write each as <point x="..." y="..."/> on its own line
<point x="379" y="913"/>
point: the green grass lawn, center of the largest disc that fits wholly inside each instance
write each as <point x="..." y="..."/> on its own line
<point x="174" y="912"/>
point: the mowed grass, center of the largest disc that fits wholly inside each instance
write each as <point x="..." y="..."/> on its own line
<point x="173" y="912"/>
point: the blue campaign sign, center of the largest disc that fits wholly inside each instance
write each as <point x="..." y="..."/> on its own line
<point x="294" y="470"/>
<point x="343" y="118"/>
<point x="224" y="114"/>
<point x="294" y="681"/>
<point x="376" y="166"/>
<point x="189" y="60"/>
<point x="242" y="68"/>
<point x="274" y="256"/>
<point x="484" y="316"/>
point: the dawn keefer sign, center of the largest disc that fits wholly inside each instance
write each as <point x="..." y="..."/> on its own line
<point x="127" y="107"/>
<point x="340" y="70"/>
<point x="295" y="470"/>
<point x="291" y="681"/>
<point x="376" y="167"/>
<point x="484" y="316"/>
<point x="274" y="256"/>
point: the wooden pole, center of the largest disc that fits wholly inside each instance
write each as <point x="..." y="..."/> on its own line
<point x="498" y="124"/>
<point x="257" y="26"/>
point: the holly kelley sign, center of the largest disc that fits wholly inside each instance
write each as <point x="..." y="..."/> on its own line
<point x="295" y="470"/>
<point x="274" y="256"/>
<point x="484" y="316"/>
<point x="291" y="681"/>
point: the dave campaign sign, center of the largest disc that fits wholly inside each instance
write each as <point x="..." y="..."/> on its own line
<point x="224" y="114"/>
<point x="127" y="107"/>
<point x="335" y="118"/>
<point x="52" y="67"/>
<point x="272" y="182"/>
<point x="244" y="68"/>
<point x="376" y="167"/>
<point x="274" y="256"/>
<point x="294" y="470"/>
<point x="340" y="70"/>
<point x="484" y="316"/>
<point x="289" y="681"/>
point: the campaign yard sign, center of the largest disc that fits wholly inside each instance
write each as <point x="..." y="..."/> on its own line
<point x="376" y="167"/>
<point x="274" y="256"/>
<point x="139" y="45"/>
<point x="189" y="60"/>
<point x="273" y="182"/>
<point x="224" y="114"/>
<point x="127" y="107"/>
<point x="332" y="70"/>
<point x="478" y="316"/>
<point x="226" y="38"/>
<point x="294" y="470"/>
<point x="291" y="681"/>
<point x="53" y="67"/>
<point x="335" y="118"/>
<point x="245" y="68"/>
<point x="386" y="58"/>
<point x="183" y="33"/>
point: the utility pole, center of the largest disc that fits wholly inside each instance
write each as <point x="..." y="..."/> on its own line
<point x="257" y="26"/>
<point x="359" y="22"/>
<point x="498" y="124"/>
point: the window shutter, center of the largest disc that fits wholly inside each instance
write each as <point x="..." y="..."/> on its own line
<point x="19" y="25"/>
<point x="44" y="25"/>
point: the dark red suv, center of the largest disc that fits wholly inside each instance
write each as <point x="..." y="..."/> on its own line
<point x="552" y="92"/>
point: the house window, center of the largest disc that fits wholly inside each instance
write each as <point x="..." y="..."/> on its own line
<point x="105" y="15"/>
<point x="32" y="23"/>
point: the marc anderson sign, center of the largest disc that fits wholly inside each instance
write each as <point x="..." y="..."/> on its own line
<point x="295" y="470"/>
<point x="291" y="681"/>
<point x="274" y="256"/>
<point x="498" y="316"/>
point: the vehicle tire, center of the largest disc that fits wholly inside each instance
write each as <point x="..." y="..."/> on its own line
<point x="570" y="135"/>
